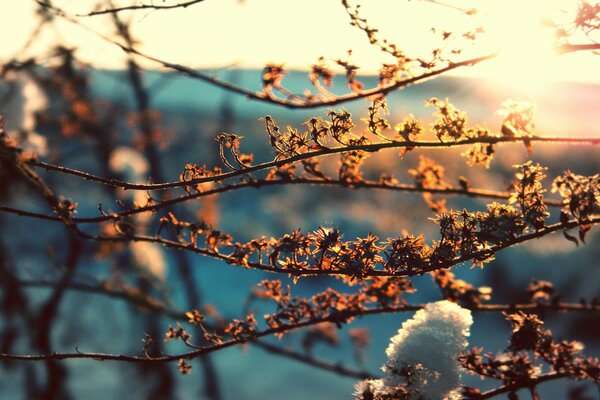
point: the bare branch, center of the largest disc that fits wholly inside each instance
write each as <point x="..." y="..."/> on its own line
<point x="371" y="147"/>
<point x="292" y="103"/>
<point x="314" y="270"/>
<point x="115" y="10"/>
<point x="335" y="317"/>
<point x="532" y="382"/>
<point x="258" y="183"/>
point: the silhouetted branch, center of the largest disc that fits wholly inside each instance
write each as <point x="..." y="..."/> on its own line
<point x="375" y="270"/>
<point x="371" y="147"/>
<point x="527" y="383"/>
<point x="56" y="386"/>
<point x="258" y="183"/>
<point x="288" y="102"/>
<point x="59" y="206"/>
<point x="293" y="102"/>
<point x="337" y="317"/>
<point x="430" y="266"/>
<point x="115" y="10"/>
<point x="136" y="298"/>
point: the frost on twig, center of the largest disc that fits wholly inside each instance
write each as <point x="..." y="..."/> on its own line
<point x="422" y="357"/>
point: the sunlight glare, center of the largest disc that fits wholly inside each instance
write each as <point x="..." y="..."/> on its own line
<point x="527" y="57"/>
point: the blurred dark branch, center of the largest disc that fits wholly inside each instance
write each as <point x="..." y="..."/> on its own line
<point x="56" y="374"/>
<point x="115" y="10"/>
<point x="371" y="147"/>
<point x="23" y="213"/>
<point x="142" y="102"/>
<point x="571" y="48"/>
<point x="56" y="377"/>
<point x="339" y="368"/>
<point x="212" y="387"/>
<point x="148" y="128"/>
<point x="13" y="303"/>
<point x="60" y="207"/>
<point x="129" y="294"/>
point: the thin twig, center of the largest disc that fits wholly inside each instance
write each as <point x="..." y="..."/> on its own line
<point x="129" y="294"/>
<point x="339" y="368"/>
<point x="524" y="384"/>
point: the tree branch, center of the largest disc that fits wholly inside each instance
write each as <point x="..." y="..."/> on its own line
<point x="336" y="317"/>
<point x="141" y="7"/>
<point x="298" y="272"/>
<point x="571" y="48"/>
<point x="525" y="384"/>
<point x="255" y="184"/>
<point x="265" y="97"/>
<point x="371" y="147"/>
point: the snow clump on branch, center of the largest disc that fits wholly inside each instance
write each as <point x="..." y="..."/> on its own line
<point x="422" y="357"/>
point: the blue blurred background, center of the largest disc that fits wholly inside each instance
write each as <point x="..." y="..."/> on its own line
<point x="192" y="114"/>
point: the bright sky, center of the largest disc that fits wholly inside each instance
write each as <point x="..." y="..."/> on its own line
<point x="252" y="33"/>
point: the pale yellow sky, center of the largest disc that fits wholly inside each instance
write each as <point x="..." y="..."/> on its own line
<point x="252" y="33"/>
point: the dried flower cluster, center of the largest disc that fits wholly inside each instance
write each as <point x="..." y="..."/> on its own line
<point x="532" y="351"/>
<point x="464" y="235"/>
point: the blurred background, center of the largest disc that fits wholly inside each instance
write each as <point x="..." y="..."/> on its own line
<point x="40" y="107"/>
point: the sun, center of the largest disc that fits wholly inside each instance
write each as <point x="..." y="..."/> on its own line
<point x="521" y="34"/>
